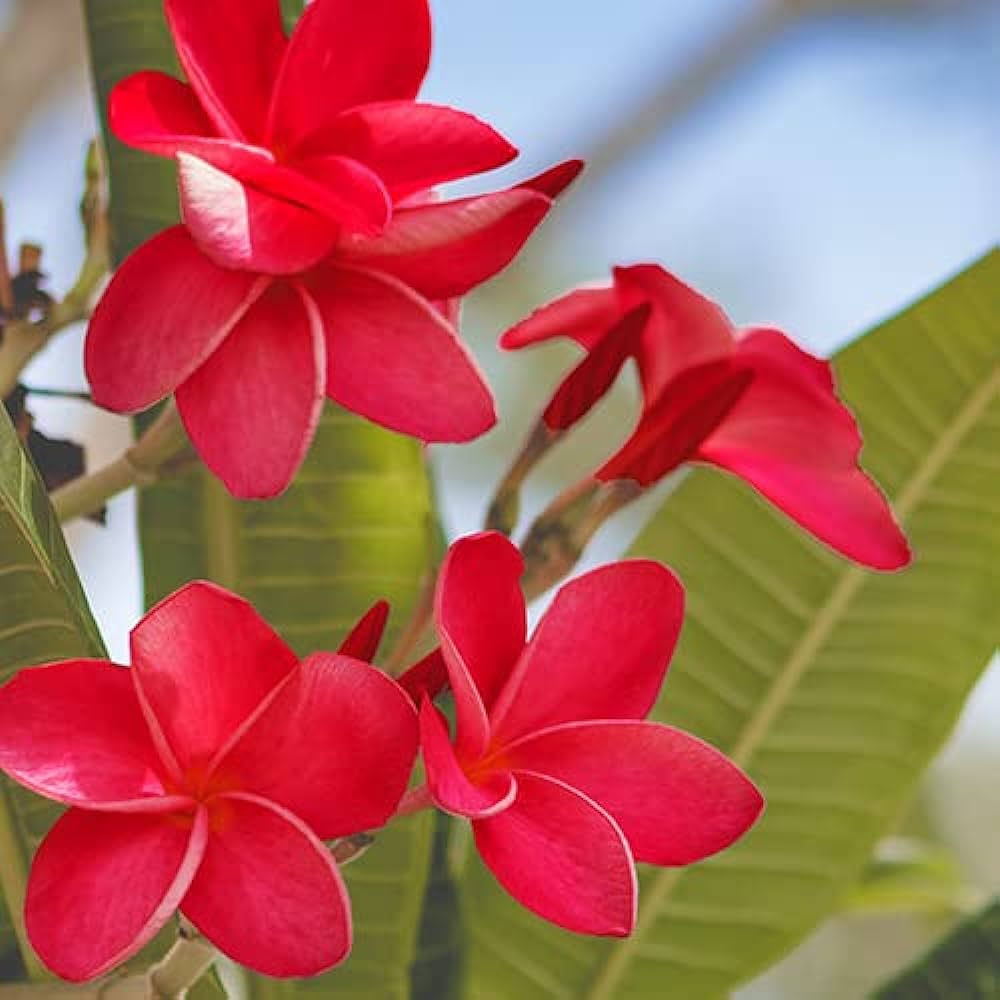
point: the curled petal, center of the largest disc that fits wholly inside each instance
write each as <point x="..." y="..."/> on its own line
<point x="203" y="660"/>
<point x="554" y="181"/>
<point x="364" y="639"/>
<point x="167" y="308"/>
<point x="268" y="893"/>
<point x="102" y="884"/>
<point x="392" y="358"/>
<point x="677" y="799"/>
<point x="252" y="408"/>
<point x="600" y="651"/>
<point x="586" y="315"/>
<point x="428" y="676"/>
<point x="563" y="857"/>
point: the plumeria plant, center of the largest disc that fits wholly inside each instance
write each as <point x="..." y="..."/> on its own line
<point x="217" y="787"/>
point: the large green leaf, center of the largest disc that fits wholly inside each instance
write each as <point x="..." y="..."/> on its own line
<point x="964" y="966"/>
<point x="356" y="526"/>
<point x="833" y="686"/>
<point x="43" y="616"/>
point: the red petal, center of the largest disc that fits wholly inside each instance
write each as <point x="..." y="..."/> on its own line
<point x="167" y="308"/>
<point x="600" y="651"/>
<point x="445" y="250"/>
<point x="563" y="857"/>
<point x="413" y="147"/>
<point x="596" y="373"/>
<point x="268" y="893"/>
<point x="676" y="799"/>
<point x="335" y="745"/>
<point x="686" y="329"/>
<point x="429" y="676"/>
<point x="586" y="315"/>
<point x="75" y="732"/>
<point x="480" y="608"/>
<point x="344" y="53"/>
<point x="343" y="190"/>
<point x="393" y="359"/>
<point x="451" y="789"/>
<point x="364" y="639"/>
<point x="203" y="660"/>
<point x="554" y="181"/>
<point x="231" y="51"/>
<point x="794" y="441"/>
<point x="252" y="409"/>
<point x="102" y="885"/>
<point x="242" y="227"/>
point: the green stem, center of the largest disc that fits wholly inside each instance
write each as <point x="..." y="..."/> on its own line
<point x="13" y="883"/>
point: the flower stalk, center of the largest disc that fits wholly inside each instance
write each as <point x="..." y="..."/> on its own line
<point x="505" y="507"/>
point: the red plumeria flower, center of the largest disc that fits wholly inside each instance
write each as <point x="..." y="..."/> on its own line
<point x="204" y="778"/>
<point x="748" y="401"/>
<point x="314" y="252"/>
<point x="565" y="785"/>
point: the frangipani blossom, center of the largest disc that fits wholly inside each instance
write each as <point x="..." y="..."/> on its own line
<point x="566" y="785"/>
<point x="204" y="778"/>
<point x="315" y="259"/>
<point x="748" y="401"/>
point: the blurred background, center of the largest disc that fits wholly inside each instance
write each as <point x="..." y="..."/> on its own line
<point x="811" y="164"/>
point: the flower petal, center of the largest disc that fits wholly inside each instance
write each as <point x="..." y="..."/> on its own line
<point x="252" y="408"/>
<point x="676" y="798"/>
<point x="428" y="676"/>
<point x="412" y="146"/>
<point x="102" y="885"/>
<point x="242" y="227"/>
<point x="268" y="893"/>
<point x="392" y="358"/>
<point x="203" y="660"/>
<point x="231" y="51"/>
<point x="586" y="315"/>
<point x="563" y="857"/>
<point x="445" y="250"/>
<point x="364" y="639"/>
<point x="770" y="439"/>
<point x="686" y="329"/>
<point x="167" y="308"/>
<point x="451" y="789"/>
<point x="480" y="607"/>
<point x="600" y="651"/>
<point x="335" y="745"/>
<point x="554" y="181"/>
<point x="74" y="732"/>
<point x="350" y="53"/>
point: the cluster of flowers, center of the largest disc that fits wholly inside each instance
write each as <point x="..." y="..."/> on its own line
<point x="315" y="260"/>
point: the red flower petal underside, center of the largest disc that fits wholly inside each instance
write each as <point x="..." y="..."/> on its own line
<point x="364" y="639"/>
<point x="585" y="314"/>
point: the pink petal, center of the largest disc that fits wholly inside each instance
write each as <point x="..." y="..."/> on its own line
<point x="444" y="250"/>
<point x="344" y="53"/>
<point x="413" y="147"/>
<point x="102" y="885"/>
<point x="364" y="639"/>
<point x="231" y="51"/>
<point x="472" y="723"/>
<point x="203" y="660"/>
<point x="252" y="408"/>
<point x="335" y="745"/>
<point x="586" y="315"/>
<point x="74" y="732"/>
<point x="554" y="181"/>
<point x="167" y="308"/>
<point x="563" y="857"/>
<point x="600" y="651"/>
<point x="242" y="227"/>
<point x="392" y="358"/>
<point x="595" y="374"/>
<point x="794" y="441"/>
<point x="480" y="608"/>
<point x="342" y="189"/>
<point x="429" y="676"/>
<point x="268" y="893"/>
<point x="676" y="799"/>
<point x="451" y="789"/>
<point x="686" y="329"/>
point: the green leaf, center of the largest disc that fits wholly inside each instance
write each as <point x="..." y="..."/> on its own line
<point x="966" y="964"/>
<point x="831" y="685"/>
<point x="356" y="526"/>
<point x="43" y="616"/>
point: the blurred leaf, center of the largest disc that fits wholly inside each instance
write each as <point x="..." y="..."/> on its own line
<point x="357" y="525"/>
<point x="831" y="685"/>
<point x="966" y="964"/>
<point x="43" y="616"/>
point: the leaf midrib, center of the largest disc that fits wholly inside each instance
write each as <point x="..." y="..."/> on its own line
<point x="609" y="974"/>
